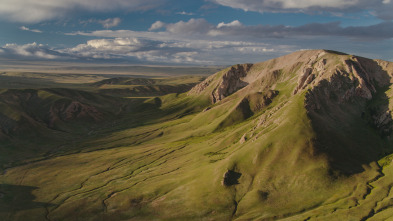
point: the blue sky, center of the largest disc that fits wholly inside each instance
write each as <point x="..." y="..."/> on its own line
<point x="197" y="32"/>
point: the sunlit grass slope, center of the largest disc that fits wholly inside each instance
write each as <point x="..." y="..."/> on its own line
<point x="269" y="150"/>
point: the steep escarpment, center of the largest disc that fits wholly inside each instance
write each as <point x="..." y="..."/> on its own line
<point x="230" y="81"/>
<point x="350" y="113"/>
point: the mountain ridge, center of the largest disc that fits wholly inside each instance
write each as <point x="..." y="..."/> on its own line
<point x="304" y="136"/>
<point x="345" y="78"/>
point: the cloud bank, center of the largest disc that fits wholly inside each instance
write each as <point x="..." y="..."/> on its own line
<point x="34" y="11"/>
<point x="197" y="41"/>
<point x="142" y="50"/>
<point x="381" y="8"/>
<point x="30" y="51"/>
<point x="383" y="30"/>
<point x="107" y="23"/>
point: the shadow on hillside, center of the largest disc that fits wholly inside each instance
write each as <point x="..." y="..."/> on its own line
<point x="354" y="132"/>
<point x="231" y="178"/>
<point x="17" y="198"/>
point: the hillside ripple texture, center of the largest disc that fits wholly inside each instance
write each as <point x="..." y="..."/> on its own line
<point x="306" y="136"/>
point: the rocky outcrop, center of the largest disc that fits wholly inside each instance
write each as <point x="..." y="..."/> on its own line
<point x="341" y="83"/>
<point x="311" y="69"/>
<point x="352" y="83"/>
<point x="365" y="87"/>
<point x="341" y="87"/>
<point x="243" y="139"/>
<point x="231" y="82"/>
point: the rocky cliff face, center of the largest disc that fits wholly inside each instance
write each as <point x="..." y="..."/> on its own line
<point x="313" y="68"/>
<point x="348" y="80"/>
<point x="230" y="82"/>
<point x="354" y="79"/>
<point x="347" y="76"/>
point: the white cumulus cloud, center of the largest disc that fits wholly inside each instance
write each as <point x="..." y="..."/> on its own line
<point x="193" y="26"/>
<point x="24" y="28"/>
<point x="110" y="22"/>
<point x="157" y="25"/>
<point x="231" y="24"/>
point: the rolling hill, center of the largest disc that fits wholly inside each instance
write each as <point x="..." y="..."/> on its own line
<point x="126" y="86"/>
<point x="306" y="136"/>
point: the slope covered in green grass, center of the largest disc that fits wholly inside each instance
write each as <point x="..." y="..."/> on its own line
<point x="306" y="136"/>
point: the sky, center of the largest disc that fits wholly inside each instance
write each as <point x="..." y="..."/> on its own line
<point x="193" y="32"/>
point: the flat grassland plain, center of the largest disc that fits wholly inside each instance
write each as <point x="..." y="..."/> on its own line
<point x="306" y="136"/>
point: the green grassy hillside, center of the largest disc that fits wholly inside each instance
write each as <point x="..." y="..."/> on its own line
<point x="42" y="117"/>
<point x="306" y="136"/>
<point x="135" y="87"/>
